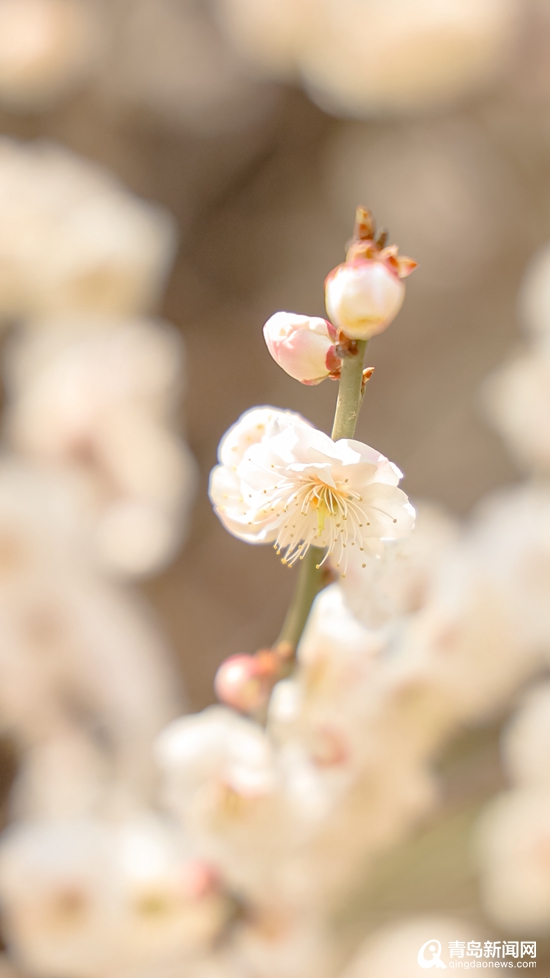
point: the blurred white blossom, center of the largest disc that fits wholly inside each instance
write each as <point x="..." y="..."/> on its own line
<point x="214" y="746"/>
<point x="72" y="239"/>
<point x="92" y="896"/>
<point x="48" y="48"/>
<point x="393" y="950"/>
<point x="99" y="397"/>
<point x="398" y="582"/>
<point x="466" y="629"/>
<point x="517" y="401"/>
<point x="512" y="540"/>
<point x="513" y="833"/>
<point x="526" y="747"/>
<point x="534" y="297"/>
<point x="513" y="850"/>
<point x="363" y="57"/>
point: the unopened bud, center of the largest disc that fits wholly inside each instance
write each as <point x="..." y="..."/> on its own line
<point x="304" y="346"/>
<point x="198" y="879"/>
<point x="363" y="297"/>
<point x="241" y="682"/>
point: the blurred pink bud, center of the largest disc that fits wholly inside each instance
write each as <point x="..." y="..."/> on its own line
<point x="328" y="748"/>
<point x="304" y="346"/>
<point x="198" y="879"/>
<point x="363" y="296"/>
<point x="242" y="683"/>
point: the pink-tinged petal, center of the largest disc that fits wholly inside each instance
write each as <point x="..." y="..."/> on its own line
<point x="300" y="345"/>
<point x="332" y="360"/>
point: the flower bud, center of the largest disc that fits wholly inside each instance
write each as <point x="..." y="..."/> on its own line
<point x="198" y="879"/>
<point x="363" y="297"/>
<point x="242" y="684"/>
<point x="304" y="346"/>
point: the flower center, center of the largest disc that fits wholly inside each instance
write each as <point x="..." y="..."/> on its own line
<point x="321" y="515"/>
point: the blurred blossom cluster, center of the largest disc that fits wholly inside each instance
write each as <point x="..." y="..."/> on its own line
<point x="365" y="57"/>
<point x="200" y="64"/>
<point x="166" y="56"/>
<point x="95" y="488"/>
<point x="514" y="833"/>
<point x="112" y="252"/>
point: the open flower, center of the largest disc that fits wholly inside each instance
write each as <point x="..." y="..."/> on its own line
<point x="304" y="346"/>
<point x="282" y="481"/>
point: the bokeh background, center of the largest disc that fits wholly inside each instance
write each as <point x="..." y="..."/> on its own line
<point x="261" y="144"/>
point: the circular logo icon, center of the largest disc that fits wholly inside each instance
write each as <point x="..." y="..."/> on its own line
<point x="433" y="949"/>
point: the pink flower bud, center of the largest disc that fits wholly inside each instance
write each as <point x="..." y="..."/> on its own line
<point x="363" y="296"/>
<point x="242" y="684"/>
<point x="198" y="879"/>
<point x="304" y="346"/>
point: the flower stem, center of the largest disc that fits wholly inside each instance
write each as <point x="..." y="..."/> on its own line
<point x="350" y="394"/>
<point x="311" y="578"/>
<point x="309" y="583"/>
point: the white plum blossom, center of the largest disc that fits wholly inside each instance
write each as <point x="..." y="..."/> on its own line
<point x="220" y="779"/>
<point x="513" y="846"/>
<point x="464" y="648"/>
<point x="98" y="396"/>
<point x="517" y="401"/>
<point x="112" y="253"/>
<point x="364" y="58"/>
<point x="526" y="743"/>
<point x="282" y="481"/>
<point x="52" y="886"/>
<point x="512" y="540"/>
<point x="398" y="583"/>
<point x="393" y="949"/>
<point x="214" y="746"/>
<point x="98" y="896"/>
<point x="513" y="835"/>
<point x="334" y="639"/>
<point x="337" y="657"/>
<point x="48" y="48"/>
<point x="345" y="707"/>
<point x="534" y="296"/>
<point x="304" y="346"/>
